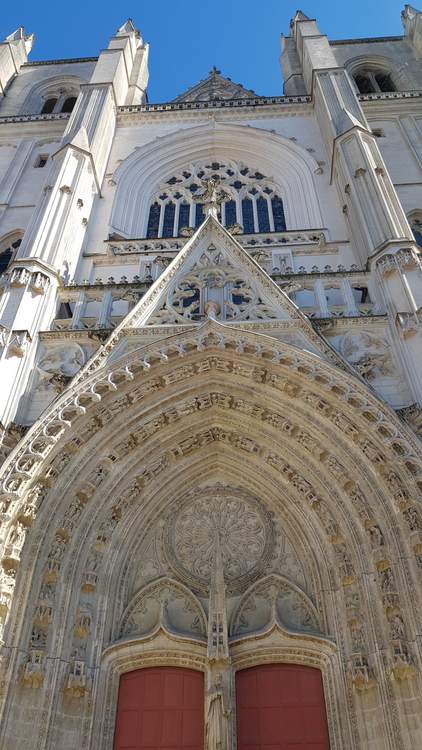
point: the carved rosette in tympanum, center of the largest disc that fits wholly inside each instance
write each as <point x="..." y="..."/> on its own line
<point x="245" y="530"/>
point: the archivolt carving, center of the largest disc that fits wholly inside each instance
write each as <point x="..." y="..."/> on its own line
<point x="165" y="603"/>
<point x="271" y="600"/>
<point x="325" y="398"/>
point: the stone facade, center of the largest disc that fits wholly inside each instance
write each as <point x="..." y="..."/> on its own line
<point x="211" y="383"/>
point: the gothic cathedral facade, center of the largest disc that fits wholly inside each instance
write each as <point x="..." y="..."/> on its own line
<point x="211" y="401"/>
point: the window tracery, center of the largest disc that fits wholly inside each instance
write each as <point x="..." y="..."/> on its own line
<point x="254" y="204"/>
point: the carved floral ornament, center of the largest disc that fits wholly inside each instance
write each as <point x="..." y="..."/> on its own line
<point x="296" y="377"/>
<point x="216" y="288"/>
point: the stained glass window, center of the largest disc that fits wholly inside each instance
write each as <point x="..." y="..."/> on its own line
<point x="261" y="208"/>
<point x="263" y="218"/>
<point x="231" y="217"/>
<point x="184" y="212"/>
<point x="247" y="211"/>
<point x="153" y="220"/>
<point x="200" y="216"/>
<point x="168" y="223"/>
<point x="278" y="214"/>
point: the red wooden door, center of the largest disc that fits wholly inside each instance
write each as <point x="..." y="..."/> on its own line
<point x="280" y="707"/>
<point x="160" y="708"/>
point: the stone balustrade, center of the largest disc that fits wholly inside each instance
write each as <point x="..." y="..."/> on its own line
<point x="320" y="293"/>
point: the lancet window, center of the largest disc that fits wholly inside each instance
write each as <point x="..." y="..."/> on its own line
<point x="254" y="202"/>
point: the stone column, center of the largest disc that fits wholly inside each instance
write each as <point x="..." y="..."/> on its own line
<point x="321" y="299"/>
<point x="351" y="309"/>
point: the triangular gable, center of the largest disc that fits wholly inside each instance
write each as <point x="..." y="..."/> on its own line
<point x="213" y="252"/>
<point x="212" y="276"/>
<point x="215" y="87"/>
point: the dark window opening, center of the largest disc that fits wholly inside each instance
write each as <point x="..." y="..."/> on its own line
<point x="384" y="82"/>
<point x="48" y="106"/>
<point x="361" y="294"/>
<point x="41" y="161"/>
<point x="69" y="103"/>
<point x="364" y="84"/>
<point x="5" y="258"/>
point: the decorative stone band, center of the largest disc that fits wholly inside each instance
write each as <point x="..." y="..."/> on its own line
<point x="403" y="259"/>
<point x="20" y="276"/>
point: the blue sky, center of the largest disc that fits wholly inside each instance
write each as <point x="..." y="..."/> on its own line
<point x="188" y="37"/>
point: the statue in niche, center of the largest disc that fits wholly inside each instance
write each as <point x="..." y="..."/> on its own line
<point x="217" y="721"/>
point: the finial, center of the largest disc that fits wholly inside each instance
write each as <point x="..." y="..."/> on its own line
<point x="214" y="71"/>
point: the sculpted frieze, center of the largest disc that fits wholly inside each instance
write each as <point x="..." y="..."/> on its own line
<point x="164" y="602"/>
<point x="274" y="600"/>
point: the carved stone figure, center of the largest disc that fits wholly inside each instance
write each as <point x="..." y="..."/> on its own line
<point x="217" y="718"/>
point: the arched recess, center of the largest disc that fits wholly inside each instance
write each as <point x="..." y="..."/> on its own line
<point x="310" y="442"/>
<point x="60" y="87"/>
<point x="290" y="166"/>
<point x="380" y="64"/>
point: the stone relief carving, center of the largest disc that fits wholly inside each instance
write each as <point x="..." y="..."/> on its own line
<point x="58" y="365"/>
<point x="245" y="529"/>
<point x="369" y="354"/>
<point x="167" y="603"/>
<point x="274" y="600"/>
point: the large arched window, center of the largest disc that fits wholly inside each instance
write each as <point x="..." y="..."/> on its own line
<point x="253" y="201"/>
<point x="7" y="251"/>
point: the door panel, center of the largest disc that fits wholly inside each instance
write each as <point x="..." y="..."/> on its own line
<point x="280" y="707"/>
<point x="160" y="709"/>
